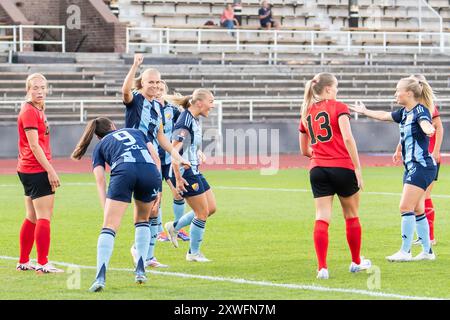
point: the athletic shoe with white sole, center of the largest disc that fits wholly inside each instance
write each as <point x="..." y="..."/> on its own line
<point x="183" y="235"/>
<point x="97" y="286"/>
<point x="400" y="256"/>
<point x="47" y="268"/>
<point x="140" y="277"/>
<point x="196" y="257"/>
<point x="425" y="256"/>
<point x="25" y="266"/>
<point x="323" y="274"/>
<point x="153" y="263"/>
<point x="363" y="265"/>
<point x="162" y="237"/>
<point x="171" y="233"/>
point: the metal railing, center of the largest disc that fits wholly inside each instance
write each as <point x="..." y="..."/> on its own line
<point x="166" y="40"/>
<point x="80" y="108"/>
<point x="17" y="36"/>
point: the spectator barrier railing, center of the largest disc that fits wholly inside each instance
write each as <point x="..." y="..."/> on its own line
<point x="16" y="39"/>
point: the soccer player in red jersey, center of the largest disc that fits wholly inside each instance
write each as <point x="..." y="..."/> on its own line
<point x="435" y="149"/>
<point x="38" y="177"/>
<point x="326" y="138"/>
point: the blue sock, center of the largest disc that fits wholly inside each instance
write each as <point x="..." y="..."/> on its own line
<point x="142" y="240"/>
<point x="197" y="231"/>
<point x="153" y="233"/>
<point x="184" y="221"/>
<point x="408" y="226"/>
<point x="105" y="246"/>
<point x="423" y="232"/>
<point x="160" y="228"/>
<point x="178" y="208"/>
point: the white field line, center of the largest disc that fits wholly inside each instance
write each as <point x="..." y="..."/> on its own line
<point x="396" y="194"/>
<point x="377" y="294"/>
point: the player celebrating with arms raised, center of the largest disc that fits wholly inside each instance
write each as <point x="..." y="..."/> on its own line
<point x="326" y="138"/>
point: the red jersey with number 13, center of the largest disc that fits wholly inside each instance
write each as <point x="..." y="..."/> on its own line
<point x="325" y="135"/>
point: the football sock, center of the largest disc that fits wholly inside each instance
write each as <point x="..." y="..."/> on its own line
<point x="321" y="242"/>
<point x="184" y="221"/>
<point x="429" y="210"/>
<point x="178" y="208"/>
<point x="408" y="226"/>
<point x="105" y="246"/>
<point x="197" y="231"/>
<point x="154" y="234"/>
<point x="142" y="239"/>
<point x="26" y="240"/>
<point x="160" y="227"/>
<point x="353" y="228"/>
<point x="42" y="237"/>
<point x="423" y="232"/>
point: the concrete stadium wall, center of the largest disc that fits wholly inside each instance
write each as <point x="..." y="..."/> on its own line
<point x="370" y="137"/>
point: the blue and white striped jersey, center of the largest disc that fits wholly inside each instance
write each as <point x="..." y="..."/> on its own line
<point x="414" y="141"/>
<point x="187" y="130"/>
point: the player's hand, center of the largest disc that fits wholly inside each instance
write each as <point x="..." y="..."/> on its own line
<point x="396" y="157"/>
<point x="53" y="179"/>
<point x="181" y="184"/>
<point x="138" y="59"/>
<point x="358" y="107"/>
<point x="201" y="156"/>
<point x="437" y="156"/>
<point x="359" y="179"/>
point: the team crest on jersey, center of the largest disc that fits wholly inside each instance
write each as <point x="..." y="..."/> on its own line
<point x="168" y="116"/>
<point x="410" y="117"/>
<point x="195" y="186"/>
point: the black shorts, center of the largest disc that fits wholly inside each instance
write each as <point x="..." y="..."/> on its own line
<point x="437" y="171"/>
<point x="330" y="181"/>
<point x="166" y="171"/>
<point x="36" y="185"/>
<point x="197" y="184"/>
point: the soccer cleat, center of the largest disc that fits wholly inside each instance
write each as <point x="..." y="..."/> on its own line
<point x="140" y="277"/>
<point x="153" y="263"/>
<point x="363" y="265"/>
<point x="97" y="286"/>
<point x="196" y="257"/>
<point x="171" y="233"/>
<point x="323" y="274"/>
<point x="183" y="235"/>
<point x="162" y="237"/>
<point x="25" y="266"/>
<point x="400" y="256"/>
<point x="47" y="268"/>
<point x="425" y="256"/>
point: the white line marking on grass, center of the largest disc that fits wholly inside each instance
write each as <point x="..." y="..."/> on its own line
<point x="396" y="194"/>
<point x="255" y="283"/>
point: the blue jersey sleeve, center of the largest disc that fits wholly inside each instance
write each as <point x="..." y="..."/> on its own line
<point x="397" y="115"/>
<point x="183" y="127"/>
<point x="176" y="114"/>
<point x="134" y="101"/>
<point x="98" y="158"/>
<point x="423" y="114"/>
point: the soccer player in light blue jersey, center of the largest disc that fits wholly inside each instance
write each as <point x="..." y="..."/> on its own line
<point x="134" y="173"/>
<point x="143" y="112"/>
<point x="415" y="122"/>
<point x="170" y="114"/>
<point x="189" y="182"/>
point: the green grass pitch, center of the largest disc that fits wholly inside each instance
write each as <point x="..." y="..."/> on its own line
<point x="257" y="234"/>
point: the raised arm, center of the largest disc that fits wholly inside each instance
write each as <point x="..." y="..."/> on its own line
<point x="350" y="144"/>
<point x="127" y="87"/>
<point x="359" y="107"/>
<point x="100" y="180"/>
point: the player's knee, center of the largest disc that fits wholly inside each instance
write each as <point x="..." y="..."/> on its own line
<point x="405" y="208"/>
<point x="212" y="210"/>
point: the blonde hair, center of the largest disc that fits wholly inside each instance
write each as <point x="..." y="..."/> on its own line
<point x="30" y="78"/>
<point x="421" y="89"/>
<point x="313" y="89"/>
<point x="138" y="81"/>
<point x="187" y="101"/>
